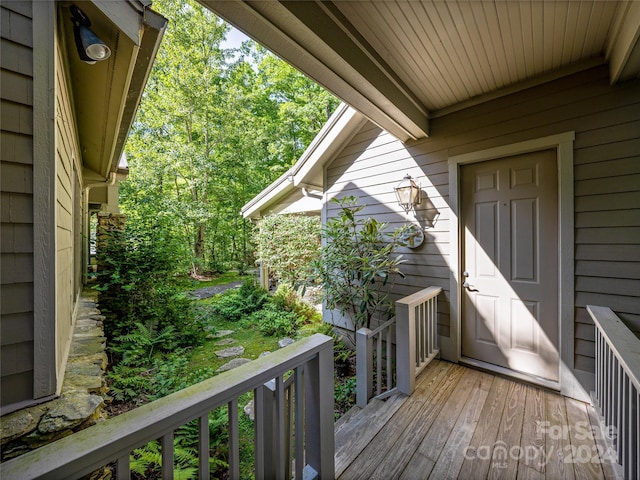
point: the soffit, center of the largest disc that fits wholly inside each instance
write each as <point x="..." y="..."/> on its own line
<point x="426" y="58"/>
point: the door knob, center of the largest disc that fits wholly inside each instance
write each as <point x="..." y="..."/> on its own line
<point x="469" y="287"/>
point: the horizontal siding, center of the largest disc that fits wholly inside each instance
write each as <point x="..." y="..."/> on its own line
<point x="606" y="180"/>
<point x="66" y="155"/>
<point x="16" y="202"/>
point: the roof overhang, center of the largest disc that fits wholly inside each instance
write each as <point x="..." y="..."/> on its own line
<point x="307" y="174"/>
<point x="106" y="94"/>
<point x="402" y="62"/>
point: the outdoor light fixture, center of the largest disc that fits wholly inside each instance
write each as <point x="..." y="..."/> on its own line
<point x="91" y="48"/>
<point x="408" y="193"/>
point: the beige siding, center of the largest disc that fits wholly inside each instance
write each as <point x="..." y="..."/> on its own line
<point x="16" y="191"/>
<point x="68" y="210"/>
<point x="607" y="185"/>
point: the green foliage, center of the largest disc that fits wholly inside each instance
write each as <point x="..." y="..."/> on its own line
<point x="129" y="383"/>
<point x="357" y="264"/>
<point x="345" y="395"/>
<point x="288" y="299"/>
<point x="146" y="312"/>
<point x="215" y="127"/>
<point x="146" y="462"/>
<point x="288" y="244"/>
<point x="236" y="304"/>
<point x="274" y="321"/>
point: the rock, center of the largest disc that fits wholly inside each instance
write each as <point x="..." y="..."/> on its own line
<point x="248" y="410"/>
<point x="236" y="362"/>
<point x="226" y="341"/>
<point x="264" y="354"/>
<point x="70" y="410"/>
<point x="19" y="423"/>
<point x="89" y="383"/>
<point x="285" y="342"/>
<point x="222" y="333"/>
<point x="230" y="352"/>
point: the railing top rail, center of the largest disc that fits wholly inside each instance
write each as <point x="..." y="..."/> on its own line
<point x="371" y="333"/>
<point x="117" y="436"/>
<point x="420" y="296"/>
<point x="622" y="341"/>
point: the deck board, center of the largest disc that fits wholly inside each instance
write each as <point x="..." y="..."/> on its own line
<point x="464" y="423"/>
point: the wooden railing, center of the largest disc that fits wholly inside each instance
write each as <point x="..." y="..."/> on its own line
<point x="617" y="393"/>
<point x="375" y="347"/>
<point x="417" y="335"/>
<point x="403" y="347"/>
<point x="293" y="422"/>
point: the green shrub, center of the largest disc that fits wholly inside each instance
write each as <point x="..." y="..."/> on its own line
<point x="235" y="304"/>
<point x="288" y="244"/>
<point x="274" y="321"/>
<point x="286" y="298"/>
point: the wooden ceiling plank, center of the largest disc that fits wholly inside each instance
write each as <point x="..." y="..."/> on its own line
<point x="602" y="17"/>
<point x="573" y="11"/>
<point x="444" y="61"/>
<point x="582" y="30"/>
<point x="513" y="9"/>
<point x="559" y="27"/>
<point x="410" y="53"/>
<point x="526" y="28"/>
<point x="496" y="48"/>
<point x="537" y="31"/>
<point x="445" y="28"/>
<point x="507" y="41"/>
<point x="385" y="44"/>
<point x="439" y="90"/>
<point x="473" y="42"/>
<point x="549" y="18"/>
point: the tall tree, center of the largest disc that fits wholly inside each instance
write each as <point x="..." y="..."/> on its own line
<point x="214" y="128"/>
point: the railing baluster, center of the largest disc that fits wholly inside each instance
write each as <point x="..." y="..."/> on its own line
<point x="279" y="427"/>
<point x="259" y="427"/>
<point x="234" y="440"/>
<point x="288" y="427"/>
<point x="299" y="419"/>
<point x="167" y="456"/>
<point x="364" y="372"/>
<point x="378" y="363"/>
<point x="203" y="446"/>
<point x="123" y="467"/>
<point x="388" y="353"/>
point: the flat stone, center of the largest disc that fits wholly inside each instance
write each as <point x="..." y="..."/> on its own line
<point x="222" y="333"/>
<point x="230" y="352"/>
<point x="249" y="410"/>
<point x="226" y="341"/>
<point x="80" y="368"/>
<point x="69" y="411"/>
<point x="89" y="383"/>
<point x="19" y="423"/>
<point x="236" y="362"/>
<point x="264" y="354"/>
<point x="285" y="342"/>
<point x="87" y="346"/>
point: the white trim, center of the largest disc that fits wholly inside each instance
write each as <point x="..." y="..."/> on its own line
<point x="44" y="200"/>
<point x="570" y="385"/>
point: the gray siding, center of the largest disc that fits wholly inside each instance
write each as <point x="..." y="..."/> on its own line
<point x="606" y="176"/>
<point x="16" y="190"/>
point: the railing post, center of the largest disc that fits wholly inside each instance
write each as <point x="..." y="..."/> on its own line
<point x="266" y="409"/>
<point x="319" y="403"/>
<point x="364" y="364"/>
<point x="405" y="348"/>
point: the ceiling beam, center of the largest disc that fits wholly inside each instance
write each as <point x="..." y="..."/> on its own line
<point x="316" y="38"/>
<point x="623" y="49"/>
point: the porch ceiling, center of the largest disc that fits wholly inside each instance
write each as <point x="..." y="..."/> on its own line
<point x="402" y="62"/>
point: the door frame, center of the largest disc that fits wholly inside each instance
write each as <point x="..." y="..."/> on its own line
<point x="450" y="347"/>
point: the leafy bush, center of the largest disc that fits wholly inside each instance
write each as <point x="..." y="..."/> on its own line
<point x="288" y="244"/>
<point x="237" y="303"/>
<point x="136" y="288"/>
<point x="274" y="321"/>
<point x="129" y="383"/>
<point x="288" y="299"/>
<point x="358" y="264"/>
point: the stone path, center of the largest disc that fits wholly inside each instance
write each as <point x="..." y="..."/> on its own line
<point x="206" y="292"/>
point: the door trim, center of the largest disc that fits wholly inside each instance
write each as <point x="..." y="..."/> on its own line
<point x="571" y="381"/>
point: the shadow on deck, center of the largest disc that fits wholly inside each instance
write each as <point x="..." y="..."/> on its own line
<point x="464" y="423"/>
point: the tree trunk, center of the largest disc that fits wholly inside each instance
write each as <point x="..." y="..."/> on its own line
<point x="198" y="247"/>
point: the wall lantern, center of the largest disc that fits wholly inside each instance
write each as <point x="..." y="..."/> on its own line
<point x="408" y="193"/>
<point x="91" y="48"/>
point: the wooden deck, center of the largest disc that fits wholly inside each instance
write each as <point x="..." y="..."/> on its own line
<point x="464" y="423"/>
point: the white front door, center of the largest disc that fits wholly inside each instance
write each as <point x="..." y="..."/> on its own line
<point x="509" y="211"/>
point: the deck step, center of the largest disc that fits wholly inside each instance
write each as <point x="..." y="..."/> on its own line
<point x="355" y="432"/>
